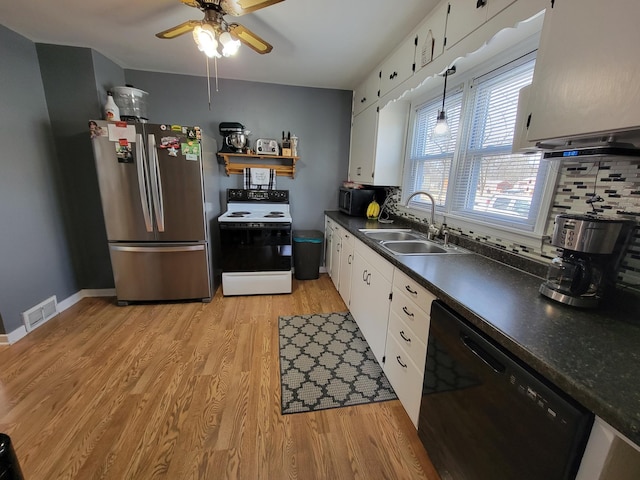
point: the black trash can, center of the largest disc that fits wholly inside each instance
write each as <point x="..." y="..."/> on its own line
<point x="9" y="466"/>
<point x="307" y="253"/>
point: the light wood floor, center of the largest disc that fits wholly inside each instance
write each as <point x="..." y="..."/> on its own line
<point x="187" y="390"/>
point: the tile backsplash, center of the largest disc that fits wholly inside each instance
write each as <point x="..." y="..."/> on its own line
<point x="614" y="182"/>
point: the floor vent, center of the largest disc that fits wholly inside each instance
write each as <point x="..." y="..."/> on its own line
<point x="36" y="316"/>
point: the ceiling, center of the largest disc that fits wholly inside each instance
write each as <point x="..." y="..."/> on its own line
<point x="316" y="43"/>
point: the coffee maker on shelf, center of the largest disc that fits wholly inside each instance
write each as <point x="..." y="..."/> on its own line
<point x="590" y="251"/>
<point x="234" y="137"/>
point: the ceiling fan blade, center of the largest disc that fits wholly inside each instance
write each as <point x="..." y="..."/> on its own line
<point x="178" y="30"/>
<point x="241" y="7"/>
<point x="191" y="3"/>
<point x="250" y="39"/>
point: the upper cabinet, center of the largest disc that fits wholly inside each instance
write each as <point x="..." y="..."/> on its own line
<point x="397" y="68"/>
<point x="586" y="80"/>
<point x="377" y="145"/>
<point x="367" y="93"/>
<point x="465" y="16"/>
<point x="431" y="34"/>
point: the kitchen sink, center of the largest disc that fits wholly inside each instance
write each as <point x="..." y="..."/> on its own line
<point x="412" y="247"/>
<point x="404" y="241"/>
<point x="396" y="235"/>
<point x="420" y="247"/>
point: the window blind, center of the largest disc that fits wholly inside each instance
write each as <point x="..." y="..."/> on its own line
<point x="493" y="184"/>
<point x="430" y="158"/>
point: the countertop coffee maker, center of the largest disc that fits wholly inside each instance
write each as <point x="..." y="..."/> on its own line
<point x="585" y="269"/>
<point x="234" y="137"/>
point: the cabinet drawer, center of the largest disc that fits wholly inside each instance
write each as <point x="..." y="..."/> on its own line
<point x="404" y="377"/>
<point x="412" y="289"/>
<point x="375" y="260"/>
<point x="408" y="340"/>
<point x="416" y="318"/>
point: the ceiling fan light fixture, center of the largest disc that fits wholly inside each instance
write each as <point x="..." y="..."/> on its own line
<point x="230" y="45"/>
<point x="205" y="37"/>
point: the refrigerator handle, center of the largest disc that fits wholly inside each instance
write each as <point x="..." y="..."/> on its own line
<point x="143" y="180"/>
<point x="156" y="183"/>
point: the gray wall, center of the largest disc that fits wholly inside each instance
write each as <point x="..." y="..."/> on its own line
<point x="321" y="118"/>
<point x="53" y="239"/>
<point x="35" y="261"/>
<point x="72" y="99"/>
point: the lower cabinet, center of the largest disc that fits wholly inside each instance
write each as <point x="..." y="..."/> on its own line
<point x="390" y="308"/>
<point x="346" y="265"/>
<point x="370" y="292"/>
<point x="406" y="348"/>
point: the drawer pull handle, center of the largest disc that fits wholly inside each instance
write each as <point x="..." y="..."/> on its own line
<point x="407" y="312"/>
<point x="406" y="339"/>
<point x="399" y="360"/>
<point x="349" y="259"/>
<point x="364" y="275"/>
<point x="408" y="289"/>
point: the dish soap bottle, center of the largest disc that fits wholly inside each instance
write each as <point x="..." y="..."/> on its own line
<point x="111" y="110"/>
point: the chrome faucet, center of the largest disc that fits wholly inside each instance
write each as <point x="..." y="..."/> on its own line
<point x="432" y="224"/>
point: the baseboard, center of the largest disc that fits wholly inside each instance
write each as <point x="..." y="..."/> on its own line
<point x="21" y="332"/>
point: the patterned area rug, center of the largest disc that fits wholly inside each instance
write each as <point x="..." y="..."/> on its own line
<point x="325" y="362"/>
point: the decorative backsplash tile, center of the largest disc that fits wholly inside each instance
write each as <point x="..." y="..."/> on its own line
<point x="614" y="184"/>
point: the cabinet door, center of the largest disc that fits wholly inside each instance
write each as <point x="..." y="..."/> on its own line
<point x="346" y="267"/>
<point x="336" y="245"/>
<point x="431" y="37"/>
<point x="370" y="304"/>
<point x="398" y="67"/>
<point x="367" y="92"/>
<point x="328" y="245"/>
<point x="465" y="16"/>
<point x="363" y="143"/>
<point x="587" y="70"/>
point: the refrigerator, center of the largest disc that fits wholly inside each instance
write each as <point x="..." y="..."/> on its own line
<point x="158" y="187"/>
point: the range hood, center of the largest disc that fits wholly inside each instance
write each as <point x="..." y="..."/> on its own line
<point x="588" y="148"/>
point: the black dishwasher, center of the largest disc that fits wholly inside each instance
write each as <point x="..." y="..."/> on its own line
<point x="485" y="415"/>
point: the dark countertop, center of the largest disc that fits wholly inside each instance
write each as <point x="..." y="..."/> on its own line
<point x="593" y="355"/>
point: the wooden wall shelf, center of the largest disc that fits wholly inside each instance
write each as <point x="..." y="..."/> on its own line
<point x="235" y="163"/>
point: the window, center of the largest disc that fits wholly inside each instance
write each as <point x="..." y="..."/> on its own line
<point x="431" y="160"/>
<point x="480" y="180"/>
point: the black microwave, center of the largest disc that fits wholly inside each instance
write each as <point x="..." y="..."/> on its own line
<point x="354" y="201"/>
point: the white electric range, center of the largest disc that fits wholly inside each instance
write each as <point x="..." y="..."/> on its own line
<point x="255" y="236"/>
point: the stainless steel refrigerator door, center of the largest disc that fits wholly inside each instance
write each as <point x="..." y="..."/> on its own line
<point x="123" y="180"/>
<point x="177" y="185"/>
<point x="161" y="272"/>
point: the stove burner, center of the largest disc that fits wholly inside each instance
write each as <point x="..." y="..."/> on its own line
<point x="238" y="214"/>
<point x="274" y="215"/>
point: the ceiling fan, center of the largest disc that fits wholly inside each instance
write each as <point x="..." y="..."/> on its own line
<point x="214" y="30"/>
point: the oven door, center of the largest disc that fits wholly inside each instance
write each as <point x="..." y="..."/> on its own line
<point x="255" y="247"/>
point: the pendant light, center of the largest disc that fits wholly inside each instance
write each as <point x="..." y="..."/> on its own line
<point x="441" y="130"/>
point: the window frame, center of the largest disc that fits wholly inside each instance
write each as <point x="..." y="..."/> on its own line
<point x="529" y="235"/>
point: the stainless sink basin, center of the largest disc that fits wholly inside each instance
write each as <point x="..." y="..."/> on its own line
<point x="396" y="235"/>
<point x="413" y="247"/>
<point x="403" y="241"/>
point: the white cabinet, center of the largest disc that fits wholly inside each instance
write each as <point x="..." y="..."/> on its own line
<point x="341" y="260"/>
<point x="587" y="70"/>
<point x="407" y="335"/>
<point x="367" y="93"/>
<point x="431" y="34"/>
<point x="377" y="144"/>
<point x="399" y="66"/>
<point x="370" y="292"/>
<point x="465" y="16"/>
<point x="336" y="246"/>
<point x="328" y="244"/>
<point x="346" y="265"/>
